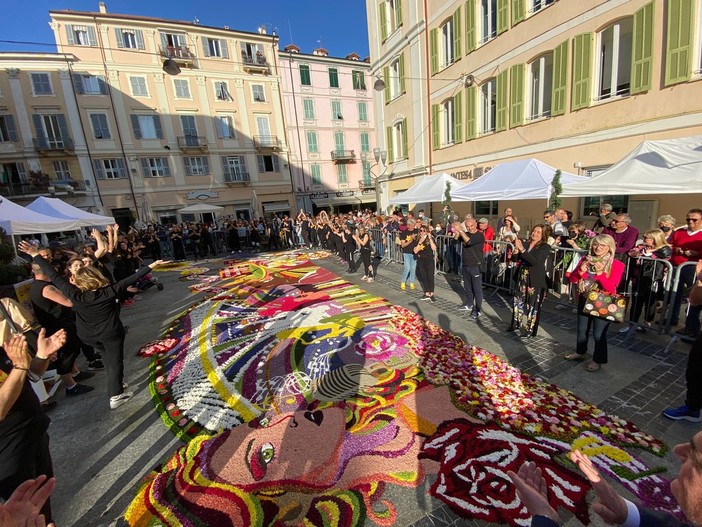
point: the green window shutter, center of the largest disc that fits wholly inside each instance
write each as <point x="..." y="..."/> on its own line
<point x="434" y="50"/>
<point x="405" y="142"/>
<point x="471" y="113"/>
<point x="398" y="13"/>
<point x="401" y="68"/>
<point x="502" y="16"/>
<point x="516" y="111"/>
<point x="642" y="60"/>
<point x="559" y="88"/>
<point x="582" y="52"/>
<point x="501" y="109"/>
<point x="471" y="35"/>
<point x="389" y="144"/>
<point x="518" y="11"/>
<point x="679" y="41"/>
<point x="386" y="79"/>
<point x="383" y="21"/>
<point x="458" y="118"/>
<point x="435" y="127"/>
<point x="457" y="48"/>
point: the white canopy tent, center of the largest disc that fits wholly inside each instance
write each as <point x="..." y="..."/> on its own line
<point x="513" y="180"/>
<point x="430" y="189"/>
<point x="59" y="209"/>
<point x="15" y="220"/>
<point x="200" y="208"/>
<point x="671" y="166"/>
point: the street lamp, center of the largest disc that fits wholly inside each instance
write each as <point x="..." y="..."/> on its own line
<point x="381" y="156"/>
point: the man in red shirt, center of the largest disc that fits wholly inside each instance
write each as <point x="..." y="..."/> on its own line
<point x="687" y="247"/>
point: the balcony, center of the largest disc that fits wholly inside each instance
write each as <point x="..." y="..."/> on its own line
<point x="192" y="142"/>
<point x="42" y="186"/>
<point x="366" y="185"/>
<point x="343" y="156"/>
<point x="180" y="54"/>
<point x="48" y="145"/>
<point x="255" y="63"/>
<point x="234" y="176"/>
<point x="267" y="142"/>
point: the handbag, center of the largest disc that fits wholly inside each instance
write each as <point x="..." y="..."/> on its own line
<point x="604" y="305"/>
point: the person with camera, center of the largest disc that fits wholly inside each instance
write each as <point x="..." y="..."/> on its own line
<point x="472" y="258"/>
<point x="363" y="240"/>
<point x="425" y="251"/>
<point x="408" y="240"/>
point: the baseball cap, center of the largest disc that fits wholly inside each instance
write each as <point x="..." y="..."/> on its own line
<point x="483" y="220"/>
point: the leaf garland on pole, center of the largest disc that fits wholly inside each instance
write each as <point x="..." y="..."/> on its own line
<point x="556" y="188"/>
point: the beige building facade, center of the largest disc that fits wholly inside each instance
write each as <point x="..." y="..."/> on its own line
<point x="575" y="84"/>
<point x="142" y="143"/>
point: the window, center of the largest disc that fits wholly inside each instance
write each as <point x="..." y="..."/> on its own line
<point x="215" y="47"/>
<point x="390" y="17"/>
<point x="62" y="170"/>
<point x="16" y="174"/>
<point x="98" y="121"/>
<point x="8" y="132"/>
<point x="268" y="164"/>
<point x="446" y="44"/>
<point x="305" y="79"/>
<point x="365" y="142"/>
<point x="258" y="93"/>
<point x="196" y="166"/>
<point x="488" y="20"/>
<point x="41" y="84"/>
<point x="147" y="126"/>
<point x="396" y="141"/>
<point x="308" y="108"/>
<point x="52" y="131"/>
<point x="488" y="106"/>
<point x="222" y="91"/>
<point x="234" y="168"/>
<point x="682" y="31"/>
<point x="538" y="5"/>
<point x="339" y="143"/>
<point x="615" y="59"/>
<point x="358" y="79"/>
<point x="187" y="123"/>
<point x="362" y="111"/>
<point x="155" y="166"/>
<point x="80" y="35"/>
<point x="225" y="126"/>
<point x="253" y="54"/>
<point x="592" y="204"/>
<point x="109" y="168"/>
<point x="312" y="145"/>
<point x="367" y="179"/>
<point x="342" y="176"/>
<point x="394" y="77"/>
<point x="89" y="84"/>
<point x="541" y="86"/>
<point x="181" y="88"/>
<point x="174" y="45"/>
<point x="447" y="122"/>
<point x="486" y="208"/>
<point x="129" y="38"/>
<point x="333" y="78"/>
<point x="316" y="173"/>
<point x="336" y="110"/>
<point x="138" y="85"/>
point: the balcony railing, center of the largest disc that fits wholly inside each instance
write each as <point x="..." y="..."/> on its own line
<point x="186" y="142"/>
<point x="177" y="53"/>
<point x="42" y="187"/>
<point x="53" y="144"/>
<point x="236" y="176"/>
<point x="343" y="155"/>
<point x="254" y="62"/>
<point x="266" y="142"/>
<point x="365" y="185"/>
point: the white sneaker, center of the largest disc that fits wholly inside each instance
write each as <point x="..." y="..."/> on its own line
<point x="118" y="400"/>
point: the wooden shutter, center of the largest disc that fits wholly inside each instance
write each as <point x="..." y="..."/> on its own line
<point x="401" y="68"/>
<point x="679" y="38"/>
<point x="276" y="165"/>
<point x="434" y="50"/>
<point x="97" y="126"/>
<point x="502" y="16"/>
<point x="102" y="84"/>
<point x="145" y="167"/>
<point x="398" y="13"/>
<point x="205" y="46"/>
<point x="389" y="144"/>
<point x="471" y="112"/>
<point x="91" y="36"/>
<point x="382" y="11"/>
<point x="471" y="30"/>
<point x="135" y="126"/>
<point x="582" y="71"/>
<point x="186" y="164"/>
<point x="642" y="59"/>
<point x="166" y="166"/>
<point x="78" y="83"/>
<point x="70" y="36"/>
<point x="405" y="139"/>
<point x="559" y="86"/>
<point x="261" y="164"/>
<point x="158" y="127"/>
<point x="386" y="80"/>
<point x="518" y="11"/>
<point x="223" y="48"/>
<point x="501" y="105"/>
<point x="516" y="111"/>
<point x="119" y="37"/>
<point x="435" y="127"/>
<point x="122" y="167"/>
<point x="458" y="118"/>
<point x="10" y="125"/>
<point x="63" y="126"/>
<point x="457" y="48"/>
<point x="99" y="169"/>
<point x="139" y="38"/>
<point x="39" y="126"/>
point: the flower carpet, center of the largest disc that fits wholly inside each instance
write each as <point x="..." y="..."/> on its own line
<point x="302" y="399"/>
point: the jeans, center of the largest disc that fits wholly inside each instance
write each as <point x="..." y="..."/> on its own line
<point x="410" y="270"/>
<point x="687" y="278"/>
<point x="598" y="326"/>
<point x="473" y="286"/>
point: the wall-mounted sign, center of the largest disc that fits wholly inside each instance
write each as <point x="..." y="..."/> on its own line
<point x="367" y="191"/>
<point x="201" y="194"/>
<point x="465" y="174"/>
<point x="344" y="194"/>
<point x="317" y="195"/>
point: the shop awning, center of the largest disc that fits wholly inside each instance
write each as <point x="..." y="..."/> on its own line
<point x="276" y="206"/>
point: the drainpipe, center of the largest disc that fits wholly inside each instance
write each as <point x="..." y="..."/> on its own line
<point x="428" y="77"/>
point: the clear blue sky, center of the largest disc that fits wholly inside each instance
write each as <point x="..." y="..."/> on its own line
<point x="339" y="24"/>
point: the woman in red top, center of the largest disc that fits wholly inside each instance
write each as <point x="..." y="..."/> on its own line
<point x="598" y="268"/>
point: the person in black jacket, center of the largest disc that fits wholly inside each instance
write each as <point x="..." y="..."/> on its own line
<point x="530" y="289"/>
<point x="472" y="241"/>
<point x="95" y="302"/>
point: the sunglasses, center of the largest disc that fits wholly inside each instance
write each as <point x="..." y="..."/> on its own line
<point x="693" y="220"/>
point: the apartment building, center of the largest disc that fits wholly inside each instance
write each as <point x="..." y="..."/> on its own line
<point x="330" y="125"/>
<point x="146" y="116"/>
<point x="575" y="84"/>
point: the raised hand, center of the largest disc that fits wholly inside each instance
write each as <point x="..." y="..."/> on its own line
<point x="609" y="505"/>
<point x="531" y="489"/>
<point x="22" y="509"/>
<point x="159" y="262"/>
<point x="28" y="248"/>
<point x="18" y="352"/>
<point x="48" y="346"/>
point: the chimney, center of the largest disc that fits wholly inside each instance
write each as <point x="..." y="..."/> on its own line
<point x="103" y="7"/>
<point x="320" y="52"/>
<point x="262" y="30"/>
